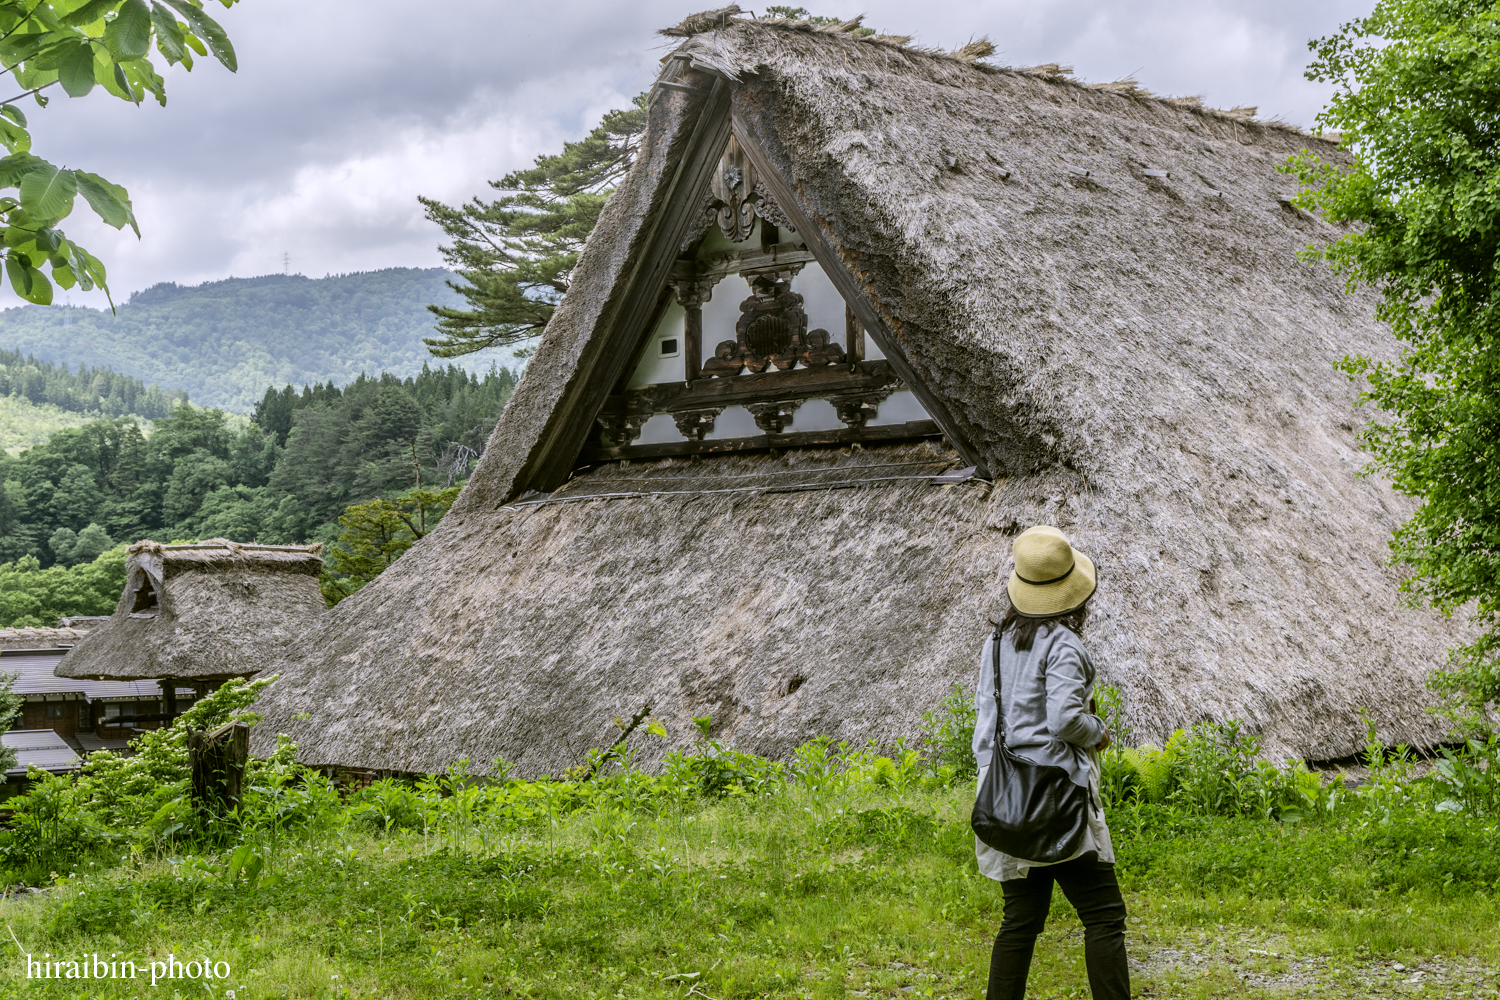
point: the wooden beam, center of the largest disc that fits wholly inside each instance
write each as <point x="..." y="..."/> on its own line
<point x="716" y="267"/>
<point x="854" y="335"/>
<point x="692" y="340"/>
<point x="911" y="430"/>
<point x="849" y="287"/>
<point x="606" y="356"/>
<point x="736" y="390"/>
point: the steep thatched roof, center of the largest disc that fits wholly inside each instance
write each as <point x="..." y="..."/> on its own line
<point x="1097" y="290"/>
<point x="39" y="637"/>
<point x="207" y="611"/>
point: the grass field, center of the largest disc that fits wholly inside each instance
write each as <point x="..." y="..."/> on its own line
<point x="856" y="890"/>
<point x="842" y="872"/>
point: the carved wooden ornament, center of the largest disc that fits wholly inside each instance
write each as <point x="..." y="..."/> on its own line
<point x="772" y="326"/>
<point x="736" y="197"/>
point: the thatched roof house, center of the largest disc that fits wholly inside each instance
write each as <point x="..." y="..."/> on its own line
<point x="204" y="612"/>
<point x="843" y="277"/>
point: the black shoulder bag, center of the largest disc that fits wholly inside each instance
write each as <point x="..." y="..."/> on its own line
<point x="1034" y="812"/>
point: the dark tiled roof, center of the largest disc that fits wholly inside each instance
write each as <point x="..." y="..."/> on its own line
<point x="38" y="748"/>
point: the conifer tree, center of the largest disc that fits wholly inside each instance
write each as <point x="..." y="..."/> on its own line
<point x="516" y="254"/>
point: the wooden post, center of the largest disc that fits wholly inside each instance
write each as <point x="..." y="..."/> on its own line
<point x="218" y="760"/>
<point x="169" y="698"/>
<point x="691" y="295"/>
<point x="854" y="336"/>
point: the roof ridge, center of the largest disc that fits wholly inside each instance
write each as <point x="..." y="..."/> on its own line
<point x="972" y="54"/>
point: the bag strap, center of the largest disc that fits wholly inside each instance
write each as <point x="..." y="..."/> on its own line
<point x="999" y="705"/>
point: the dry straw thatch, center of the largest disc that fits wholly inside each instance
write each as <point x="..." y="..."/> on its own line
<point x="39" y="637"/>
<point x="1101" y="287"/>
<point x="207" y="611"/>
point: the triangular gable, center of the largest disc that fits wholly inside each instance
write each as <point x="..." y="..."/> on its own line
<point x="754" y="347"/>
<point x="580" y="411"/>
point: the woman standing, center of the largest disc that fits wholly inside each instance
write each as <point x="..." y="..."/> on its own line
<point x="1046" y="683"/>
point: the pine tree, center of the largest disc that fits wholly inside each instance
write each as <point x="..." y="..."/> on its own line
<point x="516" y="254"/>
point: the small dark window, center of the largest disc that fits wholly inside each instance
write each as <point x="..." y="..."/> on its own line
<point x="669" y="347"/>
<point x="84" y="715"/>
<point x="55" y="711"/>
<point x="145" y="599"/>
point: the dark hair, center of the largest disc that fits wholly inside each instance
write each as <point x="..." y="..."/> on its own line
<point x="1024" y="629"/>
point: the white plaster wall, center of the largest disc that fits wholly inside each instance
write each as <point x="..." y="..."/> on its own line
<point x="722" y="311"/>
<point x="734" y="422"/>
<point x="898" y="408"/>
<point x="658" y="430"/>
<point x="825" y="307"/>
<point x="654" y="368"/>
<point x="816" y="415"/>
<point x="821" y="301"/>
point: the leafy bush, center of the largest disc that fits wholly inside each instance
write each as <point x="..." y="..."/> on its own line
<point x="1212" y="769"/>
<point x="948" y="734"/>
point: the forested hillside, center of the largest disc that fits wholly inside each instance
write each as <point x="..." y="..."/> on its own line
<point x="87" y="390"/>
<point x="286" y="477"/>
<point x="225" y="342"/>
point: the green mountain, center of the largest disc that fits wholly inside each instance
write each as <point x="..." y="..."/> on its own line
<point x="226" y="342"/>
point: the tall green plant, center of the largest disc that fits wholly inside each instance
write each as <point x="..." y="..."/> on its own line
<point x="1417" y="85"/>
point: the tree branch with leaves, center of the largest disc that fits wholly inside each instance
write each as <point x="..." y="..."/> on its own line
<point x="78" y="45"/>
<point x="1417" y="101"/>
<point x="515" y="255"/>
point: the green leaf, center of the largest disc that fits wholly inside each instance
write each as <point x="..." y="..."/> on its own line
<point x="76" y="70"/>
<point x="17" y="166"/>
<point x="128" y="35"/>
<point x="123" y="82"/>
<point x="237" y="862"/>
<point x="13" y="113"/>
<point x="169" y="40"/>
<point x="22" y="47"/>
<point x="63" y="275"/>
<point x="48" y="239"/>
<point x="29" y="283"/>
<point x="14" y="137"/>
<point x="17" y="237"/>
<point x="90" y="12"/>
<point x="92" y="273"/>
<point x="47" y="192"/>
<point x="42" y="100"/>
<point x="208" y="29"/>
<point x="109" y="201"/>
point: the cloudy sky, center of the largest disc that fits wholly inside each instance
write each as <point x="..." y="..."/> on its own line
<point x="343" y="111"/>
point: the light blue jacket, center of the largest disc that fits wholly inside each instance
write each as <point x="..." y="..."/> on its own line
<point x="1046" y="692"/>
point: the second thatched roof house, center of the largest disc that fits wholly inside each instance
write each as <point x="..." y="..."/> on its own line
<point x="203" y="612"/>
<point x="860" y="314"/>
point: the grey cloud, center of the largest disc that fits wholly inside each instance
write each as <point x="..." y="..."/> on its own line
<point x="344" y="110"/>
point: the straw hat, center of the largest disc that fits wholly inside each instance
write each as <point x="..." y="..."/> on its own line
<point x="1050" y="577"/>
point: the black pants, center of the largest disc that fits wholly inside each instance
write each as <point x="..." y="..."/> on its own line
<point x="1090" y="885"/>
